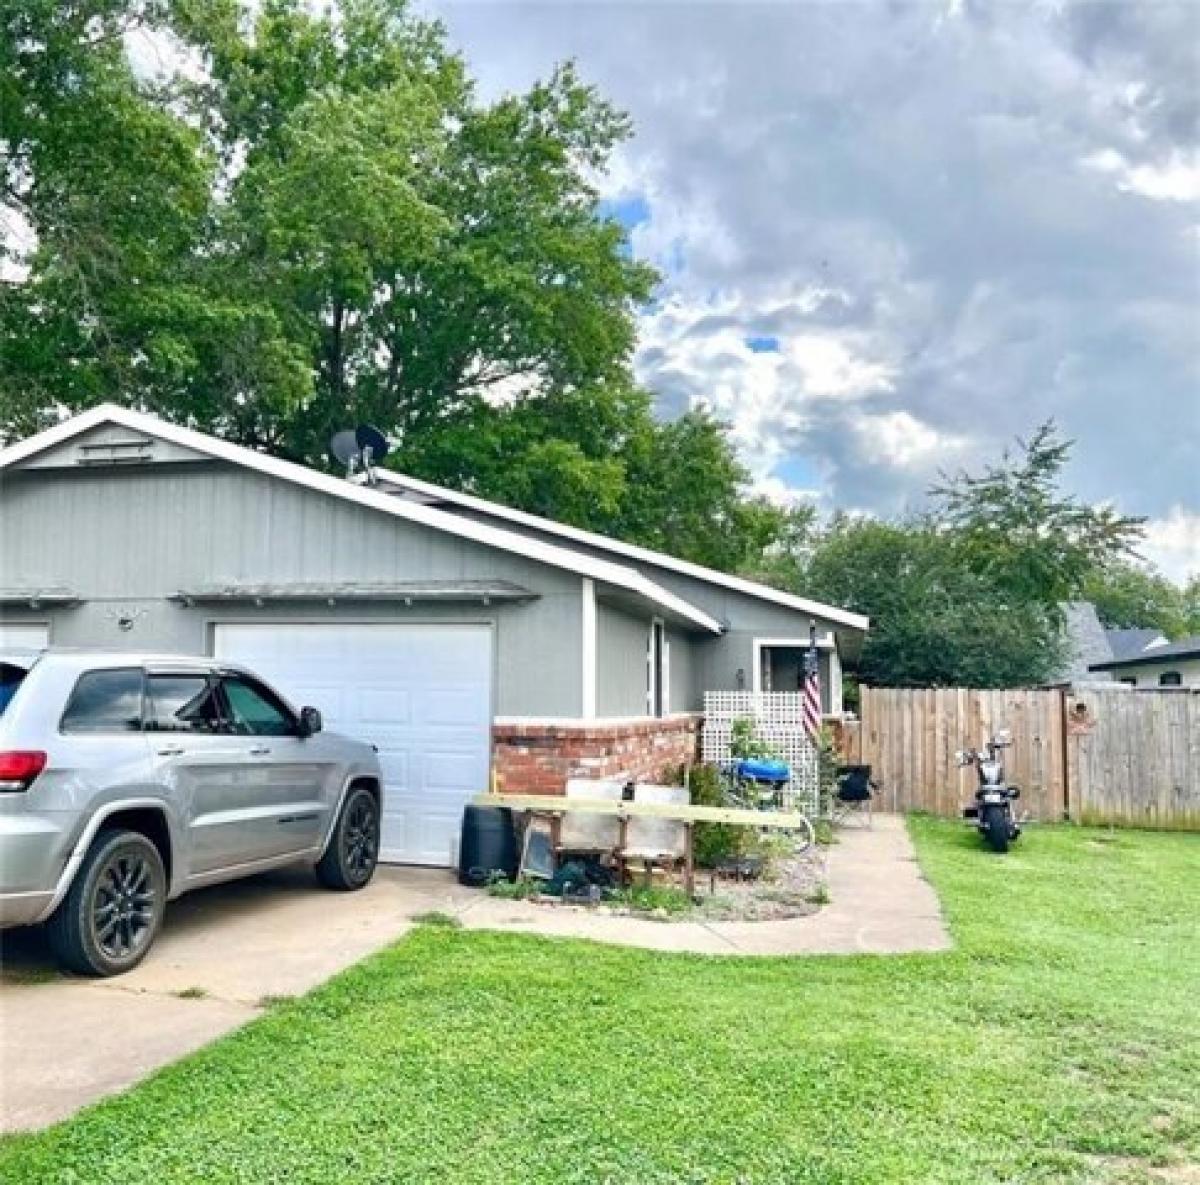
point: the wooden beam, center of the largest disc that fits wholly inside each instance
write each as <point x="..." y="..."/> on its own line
<point x="551" y="804"/>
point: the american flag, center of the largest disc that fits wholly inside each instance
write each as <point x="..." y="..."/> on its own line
<point x="812" y="688"/>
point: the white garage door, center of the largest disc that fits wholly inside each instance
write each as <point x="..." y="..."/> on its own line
<point x="421" y="693"/>
<point x="24" y="637"/>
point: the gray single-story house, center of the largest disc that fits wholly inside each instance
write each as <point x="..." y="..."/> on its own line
<point x="467" y="640"/>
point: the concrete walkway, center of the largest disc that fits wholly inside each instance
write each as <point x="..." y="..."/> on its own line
<point x="880" y="904"/>
<point x="224" y="952"/>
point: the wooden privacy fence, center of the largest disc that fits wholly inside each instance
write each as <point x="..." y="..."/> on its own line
<point x="1097" y="755"/>
<point x="1134" y="756"/>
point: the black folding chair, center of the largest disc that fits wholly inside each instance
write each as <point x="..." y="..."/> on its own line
<point x="854" y="793"/>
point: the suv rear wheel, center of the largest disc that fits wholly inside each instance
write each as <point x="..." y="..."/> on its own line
<point x="349" y="860"/>
<point x="114" y="909"/>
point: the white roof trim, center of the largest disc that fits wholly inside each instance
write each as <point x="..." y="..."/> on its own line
<point x="644" y="554"/>
<point x="441" y="520"/>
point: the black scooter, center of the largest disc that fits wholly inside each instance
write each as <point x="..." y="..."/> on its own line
<point x="992" y="809"/>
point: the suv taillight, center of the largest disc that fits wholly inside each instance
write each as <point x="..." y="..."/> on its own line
<point x="19" y="767"/>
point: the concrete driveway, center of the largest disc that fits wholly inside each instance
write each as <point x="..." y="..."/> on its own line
<point x="223" y="953"/>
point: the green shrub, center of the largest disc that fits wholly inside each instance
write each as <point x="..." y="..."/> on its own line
<point x="713" y="843"/>
<point x="744" y="742"/>
<point x="519" y="890"/>
<point x="653" y="898"/>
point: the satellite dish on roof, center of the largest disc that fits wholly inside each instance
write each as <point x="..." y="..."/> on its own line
<point x="345" y="449"/>
<point x="372" y="443"/>
<point x="360" y="448"/>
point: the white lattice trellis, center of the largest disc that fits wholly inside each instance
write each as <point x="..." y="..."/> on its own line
<point x="778" y="723"/>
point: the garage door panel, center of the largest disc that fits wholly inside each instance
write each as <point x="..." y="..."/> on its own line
<point x="421" y="694"/>
<point x="444" y="771"/>
<point x="456" y="705"/>
<point x="383" y="707"/>
<point x="24" y="637"/>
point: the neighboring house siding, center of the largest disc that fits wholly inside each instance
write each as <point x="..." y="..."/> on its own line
<point x="1147" y="674"/>
<point x="127" y="539"/>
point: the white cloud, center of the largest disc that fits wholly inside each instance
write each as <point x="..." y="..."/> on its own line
<point x="899" y="439"/>
<point x="1173" y="542"/>
<point x="776" y="490"/>
<point x="1175" y="179"/>
<point x="829" y="367"/>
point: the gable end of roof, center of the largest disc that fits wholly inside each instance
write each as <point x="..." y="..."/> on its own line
<point x="607" y="572"/>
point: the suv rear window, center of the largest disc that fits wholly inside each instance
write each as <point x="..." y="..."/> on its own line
<point x="105" y="701"/>
<point x="11" y="677"/>
<point x="182" y="703"/>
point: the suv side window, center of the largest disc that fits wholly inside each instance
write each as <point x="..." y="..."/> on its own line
<point x="105" y="701"/>
<point x="183" y="703"/>
<point x="255" y="710"/>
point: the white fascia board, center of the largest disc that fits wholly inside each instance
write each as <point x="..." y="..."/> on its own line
<point x="440" y="520"/>
<point x="738" y="583"/>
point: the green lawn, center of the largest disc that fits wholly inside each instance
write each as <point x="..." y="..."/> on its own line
<point x="1059" y="1041"/>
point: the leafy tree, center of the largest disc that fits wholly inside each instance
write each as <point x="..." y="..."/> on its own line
<point x="687" y="495"/>
<point x="430" y="256"/>
<point x="1015" y="527"/>
<point x="115" y="190"/>
<point x="1190" y="606"/>
<point x="1129" y="595"/>
<point x="934" y="621"/>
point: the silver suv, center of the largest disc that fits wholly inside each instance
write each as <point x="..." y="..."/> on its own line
<point x="126" y="780"/>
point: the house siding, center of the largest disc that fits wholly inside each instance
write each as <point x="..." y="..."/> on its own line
<point x="620" y="662"/>
<point x="622" y="639"/>
<point x="711" y="662"/>
<point x="128" y="539"/>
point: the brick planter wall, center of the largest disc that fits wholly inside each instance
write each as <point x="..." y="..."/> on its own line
<point x="533" y="758"/>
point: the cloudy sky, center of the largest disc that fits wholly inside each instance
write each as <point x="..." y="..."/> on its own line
<point x="895" y="236"/>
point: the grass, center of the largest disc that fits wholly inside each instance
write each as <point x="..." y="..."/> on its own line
<point x="438" y="917"/>
<point x="1058" y="1042"/>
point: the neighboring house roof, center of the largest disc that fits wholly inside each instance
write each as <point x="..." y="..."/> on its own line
<point x="1087" y="642"/>
<point x="418" y="492"/>
<point x="618" y="575"/>
<point x="1184" y="648"/>
<point x="1129" y="643"/>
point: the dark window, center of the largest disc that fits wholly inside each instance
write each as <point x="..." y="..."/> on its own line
<point x="1170" y="679"/>
<point x="182" y="703"/>
<point x="11" y="677"/>
<point x="1129" y="681"/>
<point x="255" y="710"/>
<point x="656" y="661"/>
<point x="105" y="701"/>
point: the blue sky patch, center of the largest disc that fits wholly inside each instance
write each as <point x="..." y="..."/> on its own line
<point x="763" y="345"/>
<point x="629" y="211"/>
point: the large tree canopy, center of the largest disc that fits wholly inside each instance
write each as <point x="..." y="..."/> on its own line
<point x="309" y="220"/>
